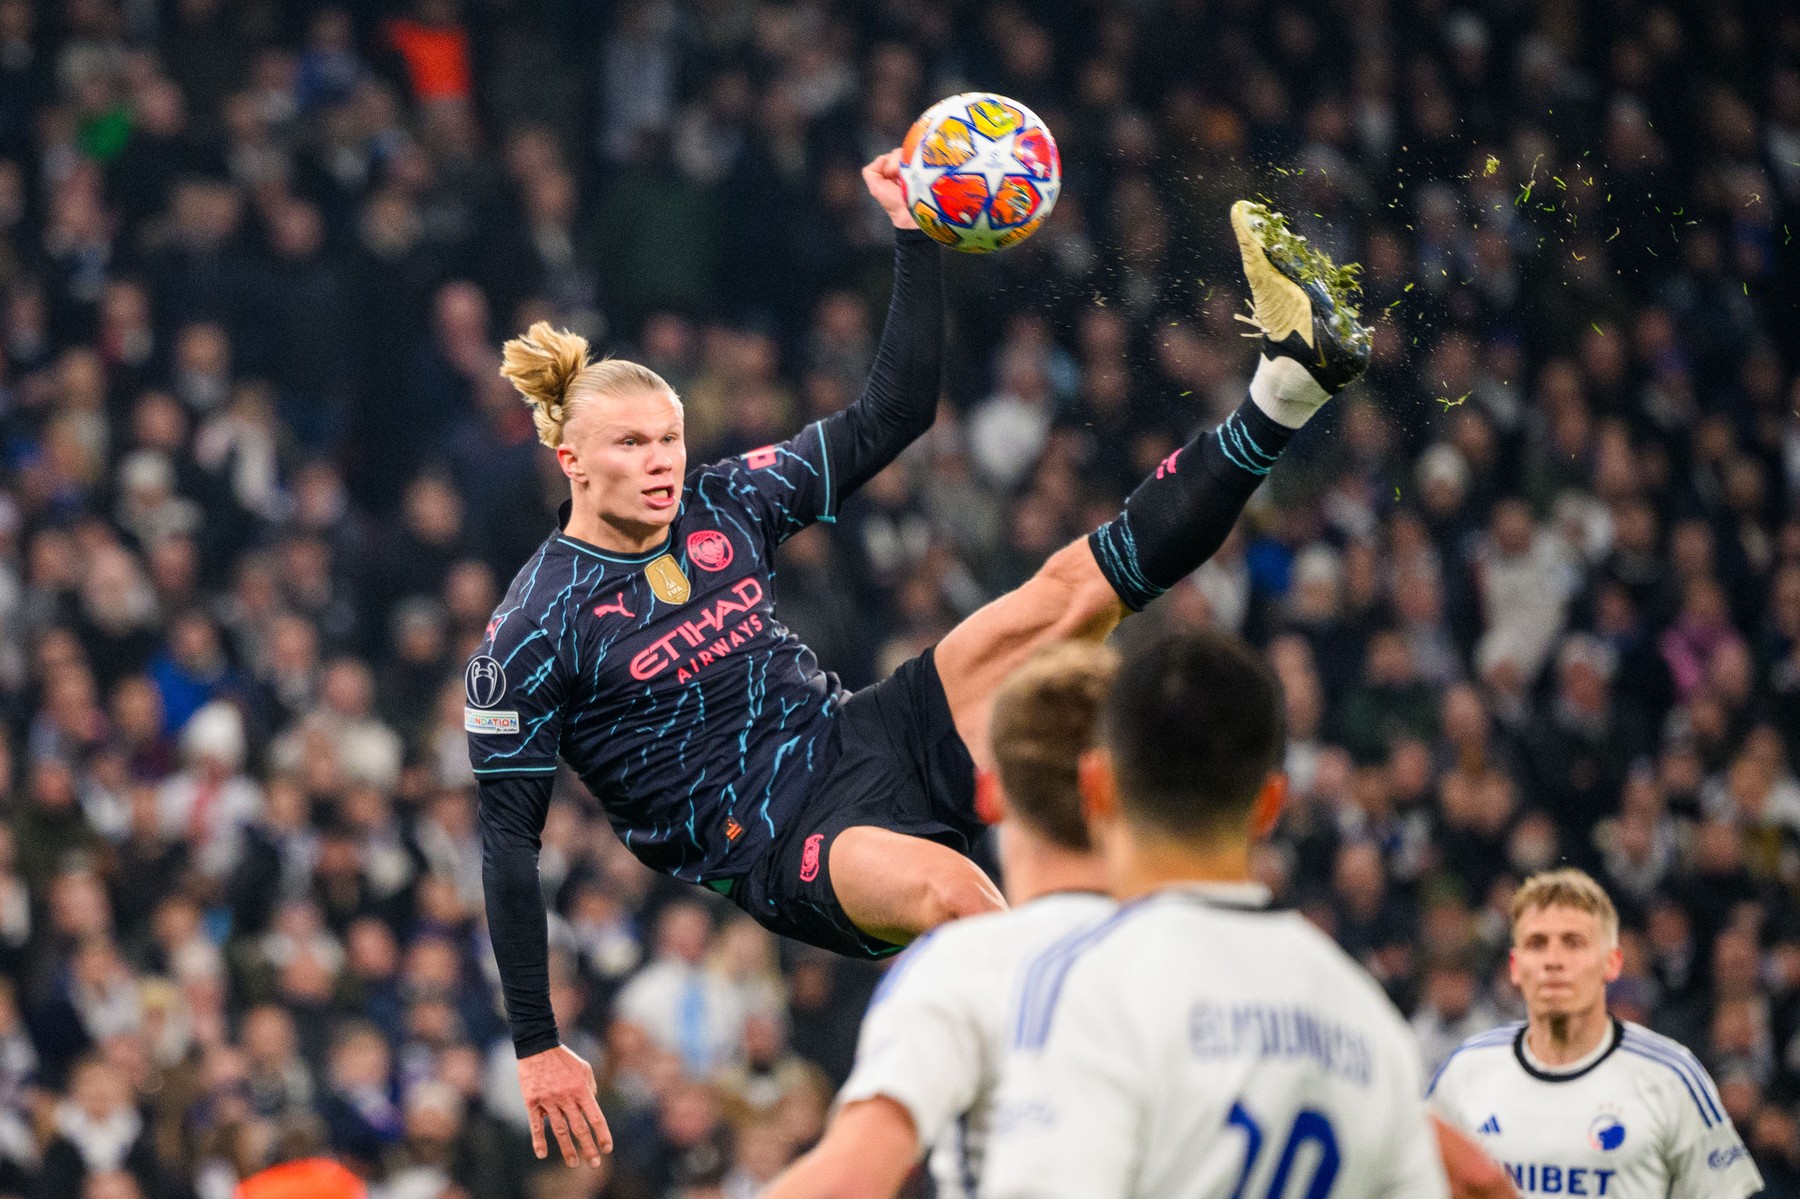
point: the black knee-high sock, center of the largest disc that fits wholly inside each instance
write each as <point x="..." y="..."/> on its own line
<point x="1179" y="516"/>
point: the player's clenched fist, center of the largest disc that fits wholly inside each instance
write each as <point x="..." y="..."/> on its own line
<point x="559" y="1087"/>
<point x="882" y="178"/>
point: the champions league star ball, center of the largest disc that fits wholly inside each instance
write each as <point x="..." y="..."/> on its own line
<point x="981" y="172"/>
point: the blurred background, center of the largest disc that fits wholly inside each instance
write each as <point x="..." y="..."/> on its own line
<point x="1533" y="588"/>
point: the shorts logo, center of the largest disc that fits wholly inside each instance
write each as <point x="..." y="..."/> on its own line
<point x="710" y="549"/>
<point x="761" y="459"/>
<point x="809" y="858"/>
<point x="485" y="723"/>
<point x="484" y="681"/>
<point x="733" y="830"/>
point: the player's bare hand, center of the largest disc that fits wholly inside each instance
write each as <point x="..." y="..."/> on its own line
<point x="559" y="1088"/>
<point x="882" y="177"/>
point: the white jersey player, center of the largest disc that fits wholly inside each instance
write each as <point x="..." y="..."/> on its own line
<point x="930" y="1043"/>
<point x="1574" y="1102"/>
<point x="1197" y="1045"/>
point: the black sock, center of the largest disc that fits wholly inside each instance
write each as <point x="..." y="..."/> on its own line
<point x="1179" y="516"/>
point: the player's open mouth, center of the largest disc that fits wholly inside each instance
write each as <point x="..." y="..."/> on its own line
<point x="660" y="497"/>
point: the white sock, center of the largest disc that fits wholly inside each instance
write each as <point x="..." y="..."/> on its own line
<point x="1286" y="392"/>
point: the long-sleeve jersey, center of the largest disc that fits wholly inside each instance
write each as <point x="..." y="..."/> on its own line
<point x="664" y="679"/>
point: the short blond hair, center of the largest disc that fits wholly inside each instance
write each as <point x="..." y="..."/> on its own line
<point x="1567" y="888"/>
<point x="551" y="369"/>
<point x="1046" y="715"/>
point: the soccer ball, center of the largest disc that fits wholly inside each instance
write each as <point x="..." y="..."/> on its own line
<point x="981" y="172"/>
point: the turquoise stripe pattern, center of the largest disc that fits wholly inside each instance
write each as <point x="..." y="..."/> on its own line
<point x="1115" y="549"/>
<point x="1241" y="449"/>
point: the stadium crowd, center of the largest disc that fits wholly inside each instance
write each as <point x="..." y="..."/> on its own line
<point x="1533" y="588"/>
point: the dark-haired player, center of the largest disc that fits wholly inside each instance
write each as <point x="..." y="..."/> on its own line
<point x="1198" y="1044"/>
<point x="640" y="643"/>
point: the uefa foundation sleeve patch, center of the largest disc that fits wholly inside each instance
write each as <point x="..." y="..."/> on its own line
<point x="479" y="720"/>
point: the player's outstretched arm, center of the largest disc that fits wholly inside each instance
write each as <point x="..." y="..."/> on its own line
<point x="557" y="1085"/>
<point x="899" y="402"/>
<point x="867" y="1153"/>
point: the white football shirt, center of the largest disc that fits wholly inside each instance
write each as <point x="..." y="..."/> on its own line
<point x="1197" y="1045"/>
<point x="935" y="1031"/>
<point x="1640" y="1119"/>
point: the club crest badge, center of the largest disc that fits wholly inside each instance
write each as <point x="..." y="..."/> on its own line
<point x="709" y="549"/>
<point x="1606" y="1133"/>
<point x="667" y="582"/>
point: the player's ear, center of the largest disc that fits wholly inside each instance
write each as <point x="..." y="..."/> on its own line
<point x="570" y="463"/>
<point x="990" y="797"/>
<point x="1512" y="968"/>
<point x="1099" y="790"/>
<point x="1615" y="964"/>
<point x="1266" y="811"/>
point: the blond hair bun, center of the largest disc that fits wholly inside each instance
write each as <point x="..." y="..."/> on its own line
<point x="544" y="364"/>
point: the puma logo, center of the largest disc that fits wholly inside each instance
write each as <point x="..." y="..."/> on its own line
<point x="618" y="605"/>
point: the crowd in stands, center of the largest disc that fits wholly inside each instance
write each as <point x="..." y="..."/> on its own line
<point x="1533" y="588"/>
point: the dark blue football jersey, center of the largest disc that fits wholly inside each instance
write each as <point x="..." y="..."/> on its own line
<point x="698" y="721"/>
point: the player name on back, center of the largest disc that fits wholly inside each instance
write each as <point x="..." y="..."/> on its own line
<point x="1258" y="1030"/>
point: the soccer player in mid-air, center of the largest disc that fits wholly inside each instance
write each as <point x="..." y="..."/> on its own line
<point x="1575" y="1101"/>
<point x="1198" y="1044"/>
<point x="640" y="645"/>
<point x="934" y="1037"/>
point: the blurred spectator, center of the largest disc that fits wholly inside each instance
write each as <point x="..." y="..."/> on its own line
<point x="685" y="1008"/>
<point x="1451" y="1010"/>
<point x="357" y="1104"/>
<point x="209" y="804"/>
<point x="99" y="1132"/>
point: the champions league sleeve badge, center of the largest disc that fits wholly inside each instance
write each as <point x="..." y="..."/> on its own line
<point x="484" y="682"/>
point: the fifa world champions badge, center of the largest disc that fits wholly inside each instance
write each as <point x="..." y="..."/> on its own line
<point x="667" y="582"/>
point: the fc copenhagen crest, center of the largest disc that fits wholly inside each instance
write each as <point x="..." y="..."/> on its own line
<point x="484" y="682"/>
<point x="666" y="581"/>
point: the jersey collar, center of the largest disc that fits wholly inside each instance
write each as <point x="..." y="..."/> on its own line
<point x="1542" y="1075"/>
<point x="1237" y="897"/>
